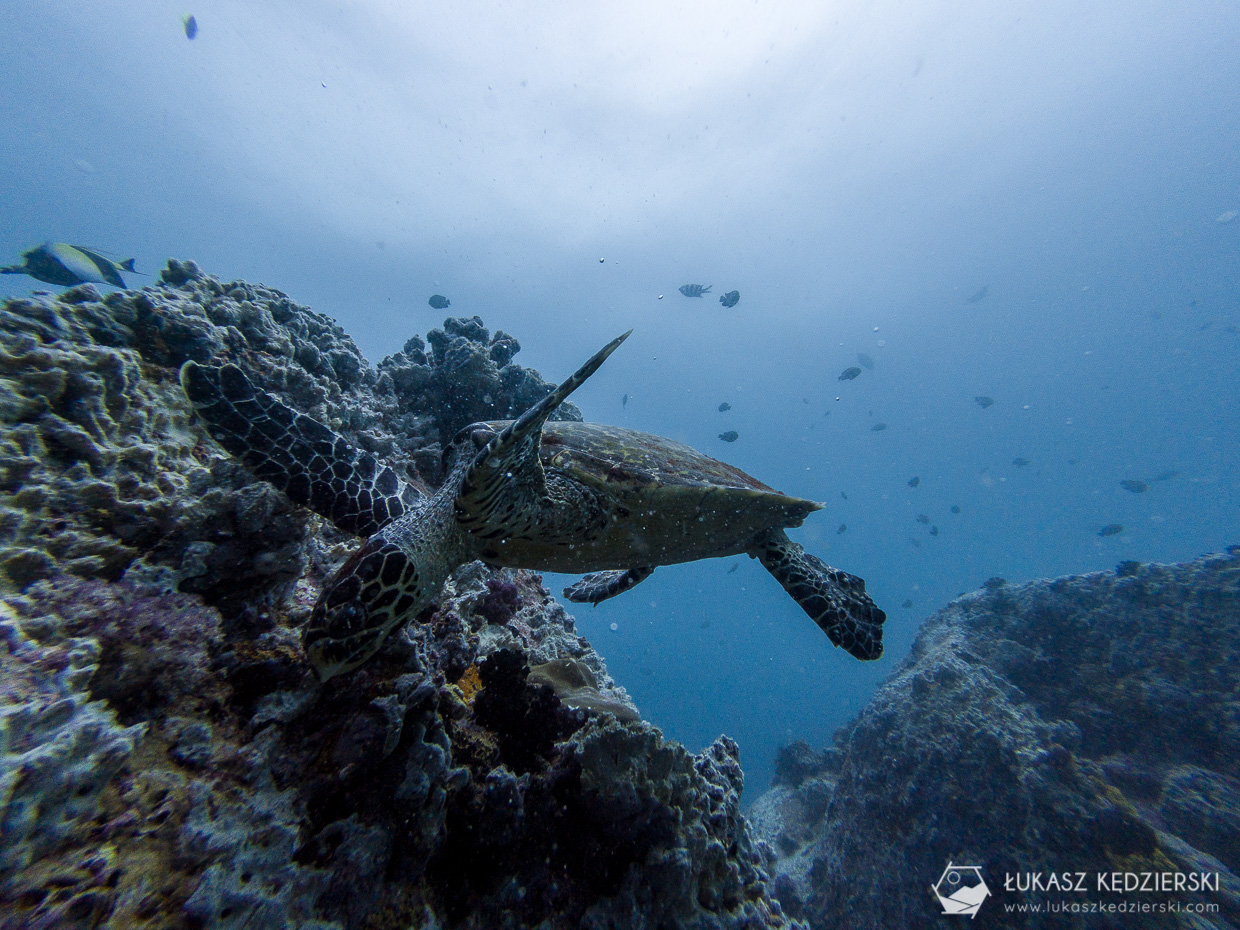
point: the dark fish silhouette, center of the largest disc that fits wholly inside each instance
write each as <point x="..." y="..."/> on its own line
<point x="934" y="531"/>
<point x="984" y="401"/>
<point x="955" y="508"/>
<point x="730" y="299"/>
<point x="624" y="401"/>
<point x="843" y="495"/>
<point x="439" y="302"/>
<point x="849" y="373"/>
<point x="979" y="296"/>
<point x="1167" y="475"/>
<point x="695" y="290"/>
<point x="735" y="566"/>
<point x="866" y="362"/>
<point x="191" y="27"/>
<point x="922" y="518"/>
<point x="878" y="427"/>
<point x="730" y="436"/>
<point x="1111" y="529"/>
<point x="725" y="407"/>
<point x="1136" y="487"/>
<point x="1020" y="463"/>
<point x="907" y="604"/>
<point x="914" y="481"/>
<point x="67" y="265"/>
<point x="843" y="527"/>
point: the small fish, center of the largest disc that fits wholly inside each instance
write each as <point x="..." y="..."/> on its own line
<point x="934" y="531"/>
<point x="914" y="481"/>
<point x="624" y="401"/>
<point x="907" y="604"/>
<point x="730" y="299"/>
<point x="849" y="373"/>
<point x="1020" y="463"/>
<point x="1166" y="475"/>
<point x="843" y="495"/>
<point x="922" y="518"/>
<point x="866" y="362"/>
<point x="730" y="436"/>
<point x="1136" y="487"/>
<point x="955" y="508"/>
<point x="979" y="296"/>
<point x="725" y="407"/>
<point x="439" y="302"/>
<point x="695" y="290"/>
<point x="735" y="566"/>
<point x="1111" y="529"/>
<point x="916" y="543"/>
<point x="843" y="528"/>
<point x="67" y="265"/>
<point x="983" y="401"/>
<point x="191" y="27"/>
<point x="878" y="427"/>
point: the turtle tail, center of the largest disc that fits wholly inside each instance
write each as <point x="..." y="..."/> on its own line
<point x="835" y="600"/>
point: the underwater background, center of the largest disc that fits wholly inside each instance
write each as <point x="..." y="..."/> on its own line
<point x="1034" y="203"/>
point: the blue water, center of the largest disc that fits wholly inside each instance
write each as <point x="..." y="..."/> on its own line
<point x="856" y="171"/>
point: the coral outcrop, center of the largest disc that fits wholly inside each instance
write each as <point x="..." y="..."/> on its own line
<point x="1085" y="724"/>
<point x="168" y="760"/>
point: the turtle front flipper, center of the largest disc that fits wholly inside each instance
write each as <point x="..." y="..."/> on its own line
<point x="835" y="600"/>
<point x="599" y="586"/>
<point x="504" y="490"/>
<point x="314" y="466"/>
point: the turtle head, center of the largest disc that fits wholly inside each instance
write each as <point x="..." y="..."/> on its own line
<point x="376" y="590"/>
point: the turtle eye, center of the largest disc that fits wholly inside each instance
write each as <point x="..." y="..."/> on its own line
<point x="480" y="434"/>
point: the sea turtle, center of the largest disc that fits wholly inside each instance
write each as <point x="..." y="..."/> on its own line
<point x="524" y="493"/>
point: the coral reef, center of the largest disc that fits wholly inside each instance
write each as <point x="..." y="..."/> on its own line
<point x="102" y="464"/>
<point x="1086" y="723"/>
<point x="166" y="757"/>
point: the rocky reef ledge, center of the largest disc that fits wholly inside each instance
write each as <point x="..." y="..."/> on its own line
<point x="1085" y="724"/>
<point x="166" y="758"/>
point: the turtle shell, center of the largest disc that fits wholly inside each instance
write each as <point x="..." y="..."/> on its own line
<point x="663" y="502"/>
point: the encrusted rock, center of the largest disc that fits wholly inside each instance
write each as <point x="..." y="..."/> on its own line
<point x="1085" y="724"/>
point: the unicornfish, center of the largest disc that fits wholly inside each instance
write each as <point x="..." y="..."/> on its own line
<point x="67" y="265"/>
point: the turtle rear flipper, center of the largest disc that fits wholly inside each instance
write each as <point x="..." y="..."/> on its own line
<point x="504" y="490"/>
<point x="835" y="600"/>
<point x="599" y="586"/>
<point x="314" y="466"/>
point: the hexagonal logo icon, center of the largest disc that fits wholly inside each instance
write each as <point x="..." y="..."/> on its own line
<point x="961" y="889"/>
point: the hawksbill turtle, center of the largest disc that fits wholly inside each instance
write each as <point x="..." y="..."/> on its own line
<point x="523" y="493"/>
